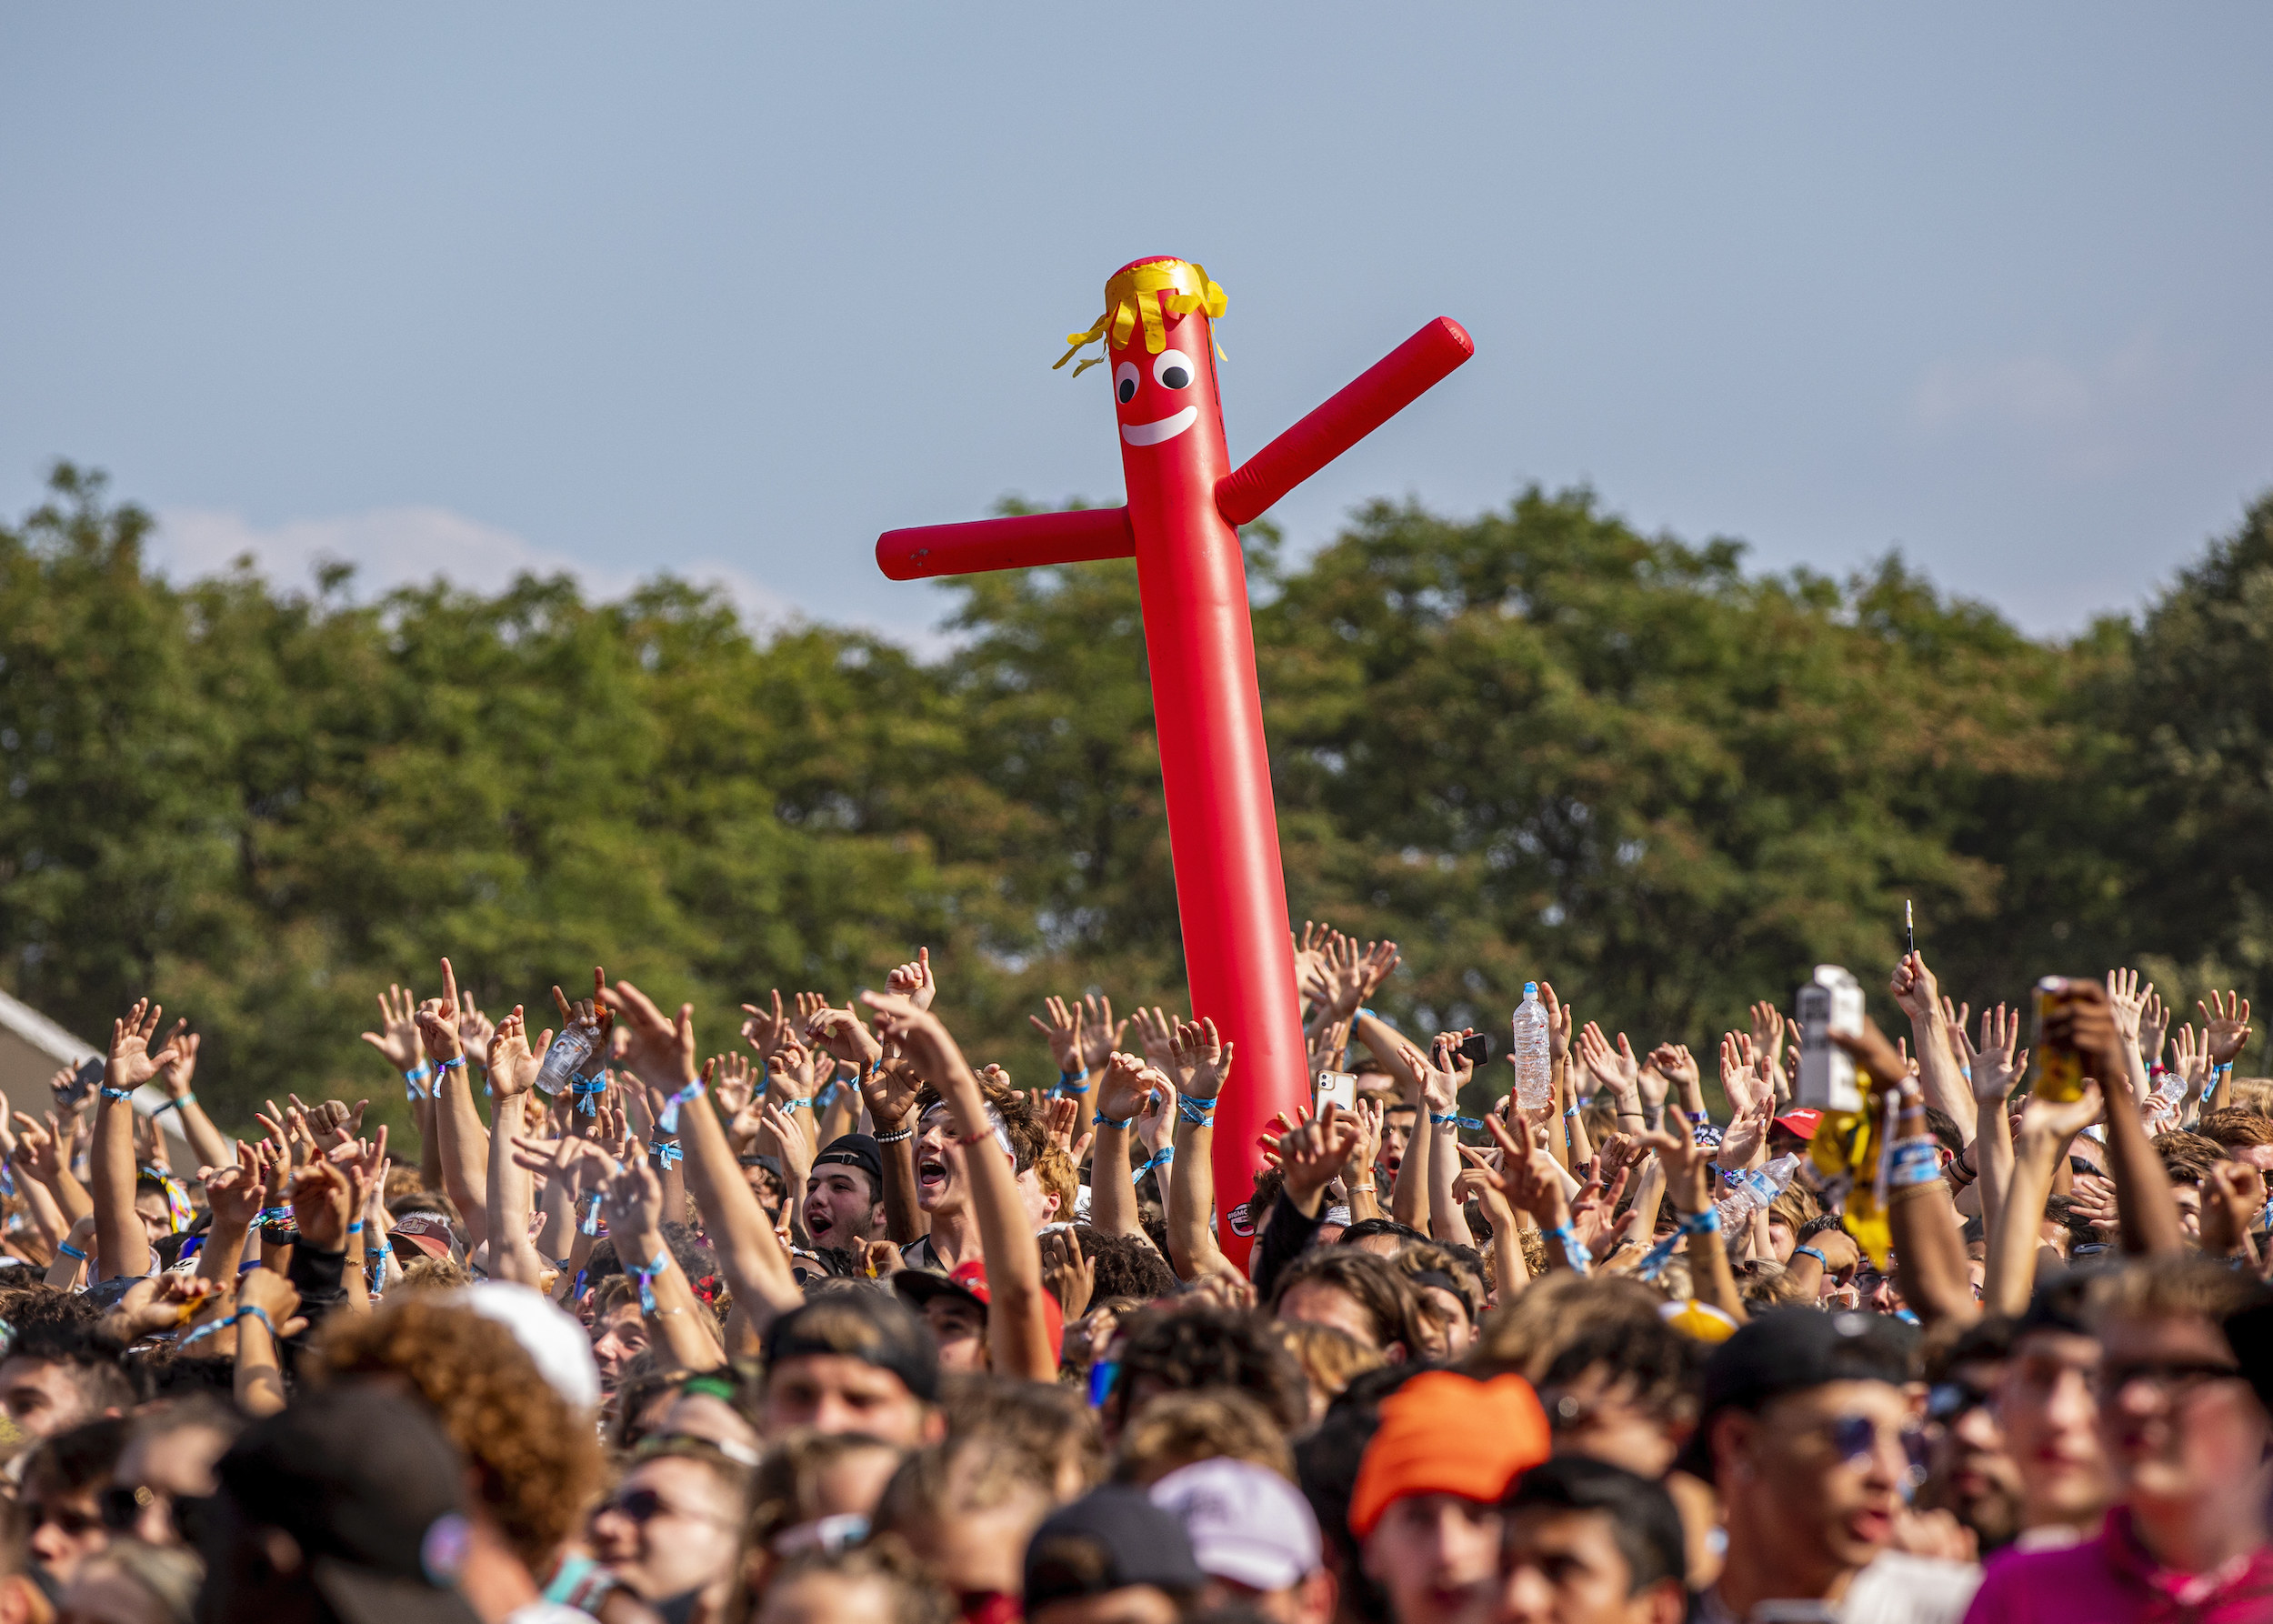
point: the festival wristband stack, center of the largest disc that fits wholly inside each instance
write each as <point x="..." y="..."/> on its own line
<point x="1200" y="1113"/>
<point x="1913" y="1162"/>
<point x="1069" y="1083"/>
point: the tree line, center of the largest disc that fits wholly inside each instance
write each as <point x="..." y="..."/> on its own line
<point x="1532" y="743"/>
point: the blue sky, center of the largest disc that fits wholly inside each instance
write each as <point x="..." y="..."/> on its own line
<point x="727" y="290"/>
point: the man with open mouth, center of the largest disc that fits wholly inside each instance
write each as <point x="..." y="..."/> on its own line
<point x="943" y="1186"/>
<point x="843" y="1195"/>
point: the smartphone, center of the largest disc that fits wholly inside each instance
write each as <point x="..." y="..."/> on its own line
<point x="1476" y="1048"/>
<point x="1337" y="1087"/>
<point x="82" y="1081"/>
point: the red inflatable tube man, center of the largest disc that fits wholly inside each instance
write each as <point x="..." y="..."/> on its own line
<point x="1186" y="503"/>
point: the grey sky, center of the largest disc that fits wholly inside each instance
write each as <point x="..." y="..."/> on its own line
<point x="730" y="290"/>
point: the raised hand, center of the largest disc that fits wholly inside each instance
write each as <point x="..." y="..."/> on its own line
<point x="397" y="1037"/>
<point x="131" y="1063"/>
<point x="1370" y="1115"/>
<point x="660" y="1050"/>
<point x="891" y="1092"/>
<point x="1202" y="1059"/>
<point x="38" y="1150"/>
<point x="474" y="1027"/>
<point x="1156" y="1032"/>
<point x="1673" y="1062"/>
<point x="1061" y="1120"/>
<point x="1736" y="1072"/>
<point x="2154" y="1022"/>
<point x="1767" y="1032"/>
<point x="329" y="1123"/>
<point x="1559" y="1022"/>
<point x="513" y="1063"/>
<point x="1996" y="1065"/>
<point x="1311" y="958"/>
<point x="2233" y="1193"/>
<point x="792" y="1072"/>
<point x="1312" y="1153"/>
<point x="1066" y="1275"/>
<point x="175" y="1075"/>
<point x="2228" y="1016"/>
<point x="633" y="1200"/>
<point x="1327" y="1043"/>
<point x="913" y="980"/>
<point x="2191" y="1058"/>
<point x="2061" y="1120"/>
<point x="1128" y="1084"/>
<point x="840" y="1033"/>
<point x="1746" y="1131"/>
<point x="1615" y="1069"/>
<point x="767" y="1030"/>
<point x="1155" y="1120"/>
<point x="1099" y="1036"/>
<point x="323" y="1204"/>
<point x="1914" y="986"/>
<point x="2126" y="999"/>
<point x="235" y="1192"/>
<point x="1064" y="1031"/>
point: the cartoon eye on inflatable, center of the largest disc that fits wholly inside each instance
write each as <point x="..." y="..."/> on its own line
<point x="1125" y="380"/>
<point x="1174" y="369"/>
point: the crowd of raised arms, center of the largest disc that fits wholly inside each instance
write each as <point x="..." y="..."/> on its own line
<point x="846" y="1326"/>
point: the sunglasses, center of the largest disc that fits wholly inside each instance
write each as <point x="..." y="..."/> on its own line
<point x="1948" y="1401"/>
<point x="1855" y="1438"/>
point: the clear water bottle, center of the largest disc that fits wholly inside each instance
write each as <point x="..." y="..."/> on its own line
<point x="565" y="1060"/>
<point x="1535" y="1079"/>
<point x="1754" y="1191"/>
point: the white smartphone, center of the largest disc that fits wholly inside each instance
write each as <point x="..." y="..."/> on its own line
<point x="1340" y="1087"/>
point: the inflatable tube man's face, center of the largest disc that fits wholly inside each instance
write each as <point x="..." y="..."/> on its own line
<point x="1158" y="339"/>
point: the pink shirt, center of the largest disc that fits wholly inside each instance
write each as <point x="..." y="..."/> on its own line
<point x="2111" y="1579"/>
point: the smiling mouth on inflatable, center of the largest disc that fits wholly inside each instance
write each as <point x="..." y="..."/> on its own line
<point x="1168" y="428"/>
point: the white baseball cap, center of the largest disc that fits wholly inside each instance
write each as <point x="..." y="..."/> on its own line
<point x="553" y="1340"/>
<point x="1247" y="1523"/>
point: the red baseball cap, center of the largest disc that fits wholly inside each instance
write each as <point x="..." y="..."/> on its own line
<point x="428" y="1232"/>
<point x="915" y="1286"/>
<point x="1801" y="1122"/>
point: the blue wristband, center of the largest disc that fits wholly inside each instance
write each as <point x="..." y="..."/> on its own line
<point x="111" y="1093"/>
<point x="1811" y="1252"/>
<point x="68" y="1250"/>
<point x="1474" y="1124"/>
<point x="1165" y="1155"/>
<point x="1574" y="1253"/>
<point x="175" y="1105"/>
<point x="441" y="1065"/>
<point x="1101" y="1121"/>
<point x="1200" y="1113"/>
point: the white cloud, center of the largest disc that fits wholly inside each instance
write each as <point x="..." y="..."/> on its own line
<point x="395" y="547"/>
<point x="2087" y="418"/>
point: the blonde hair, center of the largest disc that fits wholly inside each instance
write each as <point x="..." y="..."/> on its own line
<point x="1331" y="1358"/>
<point x="1134" y="296"/>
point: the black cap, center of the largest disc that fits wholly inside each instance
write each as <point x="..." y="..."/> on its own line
<point x="1787" y="1350"/>
<point x="863" y="1325"/>
<point x="855" y="1151"/>
<point x="2249" y="1332"/>
<point x="371" y="1490"/>
<point x="1109" y="1539"/>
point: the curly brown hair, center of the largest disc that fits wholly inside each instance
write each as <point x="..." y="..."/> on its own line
<point x="537" y="1460"/>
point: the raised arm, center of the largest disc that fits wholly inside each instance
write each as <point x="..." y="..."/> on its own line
<point x="1205" y="1060"/>
<point x="463" y="1143"/>
<point x="1126" y="1087"/>
<point x="1017" y="1328"/>
<point x="122" y="1246"/>
<point x="1914" y="989"/>
<point x="513" y="1067"/>
<point x="2046" y="1128"/>
<point x="175" y="1076"/>
<point x="662" y="1052"/>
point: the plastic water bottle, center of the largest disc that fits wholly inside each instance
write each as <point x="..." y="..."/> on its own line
<point x="1756" y="1191"/>
<point x="565" y="1058"/>
<point x="1534" y="1081"/>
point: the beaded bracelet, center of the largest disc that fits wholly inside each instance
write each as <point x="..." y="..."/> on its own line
<point x="895" y="1136"/>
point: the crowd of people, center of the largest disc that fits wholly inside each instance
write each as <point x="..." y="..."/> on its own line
<point x="841" y="1325"/>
